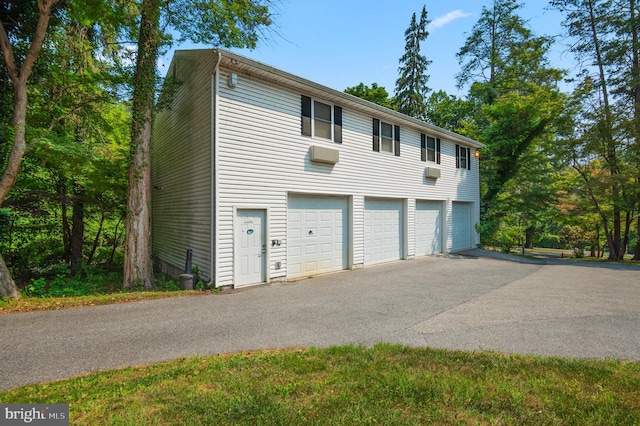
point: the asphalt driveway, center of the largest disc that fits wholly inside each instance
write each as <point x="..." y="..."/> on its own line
<point x="469" y="301"/>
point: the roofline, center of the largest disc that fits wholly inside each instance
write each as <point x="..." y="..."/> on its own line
<point x="242" y="63"/>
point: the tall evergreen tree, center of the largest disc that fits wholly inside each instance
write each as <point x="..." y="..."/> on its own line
<point x="411" y="87"/>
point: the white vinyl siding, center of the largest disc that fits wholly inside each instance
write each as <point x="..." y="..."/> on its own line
<point x="181" y="169"/>
<point x="263" y="158"/>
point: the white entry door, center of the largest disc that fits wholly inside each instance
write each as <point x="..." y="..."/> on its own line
<point x="250" y="247"/>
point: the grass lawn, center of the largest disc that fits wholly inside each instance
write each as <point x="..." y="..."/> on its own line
<point x="28" y="304"/>
<point x="386" y="384"/>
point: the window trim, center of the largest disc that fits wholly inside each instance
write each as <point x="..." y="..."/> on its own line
<point x="308" y="119"/>
<point x="424" y="148"/>
<point x="377" y="137"/>
<point x="463" y="162"/>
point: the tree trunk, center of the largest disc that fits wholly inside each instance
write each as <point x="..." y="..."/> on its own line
<point x="19" y="76"/>
<point x="529" y="237"/>
<point x="615" y="246"/>
<point x="96" y="240"/>
<point x="8" y="287"/>
<point x="115" y="243"/>
<point x="77" y="231"/>
<point x="635" y="73"/>
<point x="595" y="242"/>
<point x="66" y="228"/>
<point x="636" y="254"/>
<point x="137" y="258"/>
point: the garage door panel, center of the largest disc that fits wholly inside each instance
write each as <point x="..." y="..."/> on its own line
<point x="461" y="226"/>
<point x="383" y="231"/>
<point x="429" y="223"/>
<point x="318" y="243"/>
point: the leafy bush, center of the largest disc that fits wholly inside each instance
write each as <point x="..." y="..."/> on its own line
<point x="56" y="282"/>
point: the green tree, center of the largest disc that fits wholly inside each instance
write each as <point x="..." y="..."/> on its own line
<point x="447" y="111"/>
<point x="604" y="144"/>
<point x="376" y="94"/>
<point x="411" y="85"/>
<point x="19" y="70"/>
<point x="514" y="95"/>
<point x="215" y="22"/>
<point x="528" y="202"/>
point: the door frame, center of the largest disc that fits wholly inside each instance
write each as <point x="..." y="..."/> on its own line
<point x="265" y="232"/>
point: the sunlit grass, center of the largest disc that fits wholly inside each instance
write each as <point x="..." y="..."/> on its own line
<point x="386" y="384"/>
<point x="28" y="304"/>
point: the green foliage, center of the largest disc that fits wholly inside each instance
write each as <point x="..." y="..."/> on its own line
<point x="376" y="94"/>
<point x="219" y="22"/>
<point x="89" y="281"/>
<point x="411" y="85"/>
<point x="198" y="281"/>
<point x="448" y="111"/>
<point x="516" y="111"/>
<point x="604" y="144"/>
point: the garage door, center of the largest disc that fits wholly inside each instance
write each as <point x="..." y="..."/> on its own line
<point x="317" y="235"/>
<point x="461" y="226"/>
<point x="428" y="227"/>
<point x="383" y="228"/>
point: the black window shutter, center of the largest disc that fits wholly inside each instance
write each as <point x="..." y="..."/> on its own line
<point x="438" y="150"/>
<point x="306" y="116"/>
<point x="468" y="158"/>
<point x="423" y="147"/>
<point x="337" y="124"/>
<point x="396" y="140"/>
<point x="457" y="156"/>
<point x="376" y="135"/>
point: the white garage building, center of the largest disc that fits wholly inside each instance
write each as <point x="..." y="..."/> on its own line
<point x="268" y="176"/>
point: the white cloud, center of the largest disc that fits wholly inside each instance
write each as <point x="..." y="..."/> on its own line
<point x="441" y="21"/>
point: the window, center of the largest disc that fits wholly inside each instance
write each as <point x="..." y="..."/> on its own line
<point x="386" y="137"/>
<point x="463" y="157"/>
<point x="430" y="148"/>
<point x="321" y="120"/>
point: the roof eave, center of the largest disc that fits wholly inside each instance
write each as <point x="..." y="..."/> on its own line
<point x="266" y="72"/>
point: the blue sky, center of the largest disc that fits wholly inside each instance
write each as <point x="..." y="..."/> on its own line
<point x="341" y="43"/>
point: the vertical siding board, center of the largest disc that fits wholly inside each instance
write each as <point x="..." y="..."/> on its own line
<point x="358" y="230"/>
<point x="411" y="228"/>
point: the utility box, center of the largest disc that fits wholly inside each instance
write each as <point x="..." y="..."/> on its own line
<point x="320" y="154"/>
<point x="432" y="173"/>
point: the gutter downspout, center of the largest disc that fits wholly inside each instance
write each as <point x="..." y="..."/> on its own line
<point x="215" y="80"/>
